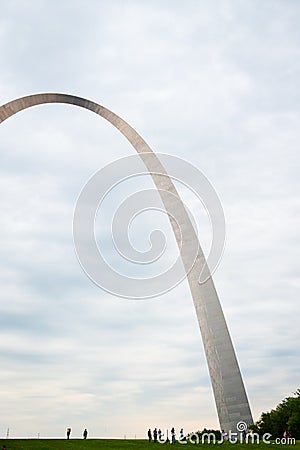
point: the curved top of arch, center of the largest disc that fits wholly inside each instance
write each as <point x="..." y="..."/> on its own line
<point x="9" y="109"/>
<point x="149" y="158"/>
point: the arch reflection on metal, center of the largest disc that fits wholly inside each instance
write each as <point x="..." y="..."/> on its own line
<point x="229" y="392"/>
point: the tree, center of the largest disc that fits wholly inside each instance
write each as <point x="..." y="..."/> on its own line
<point x="285" y="417"/>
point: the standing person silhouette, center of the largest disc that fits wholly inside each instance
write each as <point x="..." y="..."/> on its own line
<point x="159" y="434"/>
<point x="68" y="432"/>
<point x="149" y="435"/>
<point x="173" y="434"/>
<point x="85" y="433"/>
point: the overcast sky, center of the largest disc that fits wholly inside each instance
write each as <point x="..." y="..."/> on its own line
<point x="212" y="82"/>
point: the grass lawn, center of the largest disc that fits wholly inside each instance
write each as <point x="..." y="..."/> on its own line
<point x="116" y="444"/>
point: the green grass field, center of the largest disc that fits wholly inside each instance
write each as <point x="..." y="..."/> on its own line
<point x="116" y="444"/>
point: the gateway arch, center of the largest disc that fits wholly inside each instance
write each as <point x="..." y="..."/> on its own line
<point x="228" y="387"/>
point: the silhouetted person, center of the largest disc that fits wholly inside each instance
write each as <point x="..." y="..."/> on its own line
<point x="85" y="433"/>
<point x="68" y="433"/>
<point x="155" y="434"/>
<point x="149" y="435"/>
<point x="159" y="434"/>
<point x="173" y="435"/>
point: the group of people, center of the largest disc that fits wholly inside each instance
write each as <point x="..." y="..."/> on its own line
<point x="84" y="434"/>
<point x="157" y="435"/>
